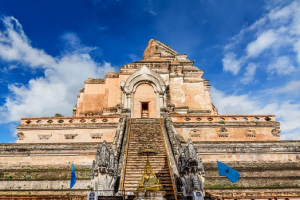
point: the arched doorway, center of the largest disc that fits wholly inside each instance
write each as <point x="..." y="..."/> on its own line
<point x="144" y="102"/>
<point x="150" y="81"/>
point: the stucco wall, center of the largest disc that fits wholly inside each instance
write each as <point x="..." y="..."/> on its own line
<point x="193" y="95"/>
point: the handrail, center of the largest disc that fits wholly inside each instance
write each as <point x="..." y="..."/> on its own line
<point x="125" y="161"/>
<point x="161" y="130"/>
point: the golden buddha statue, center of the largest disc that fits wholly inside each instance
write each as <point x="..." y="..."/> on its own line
<point x="149" y="181"/>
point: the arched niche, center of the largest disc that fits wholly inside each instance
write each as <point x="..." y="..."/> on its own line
<point x="144" y="76"/>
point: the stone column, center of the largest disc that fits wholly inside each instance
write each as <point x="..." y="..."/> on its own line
<point x="161" y="100"/>
<point x="127" y="100"/>
<point x="157" y="105"/>
<point x="131" y="101"/>
<point x="165" y="99"/>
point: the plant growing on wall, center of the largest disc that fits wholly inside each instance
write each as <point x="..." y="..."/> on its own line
<point x="180" y="138"/>
<point x="58" y="115"/>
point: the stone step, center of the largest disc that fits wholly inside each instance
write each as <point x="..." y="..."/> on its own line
<point x="156" y="169"/>
<point x="134" y="185"/>
<point x="141" y="165"/>
<point x="161" y="179"/>
<point x="158" y="173"/>
<point x="137" y="179"/>
<point x="165" y="175"/>
<point x="139" y="160"/>
<point x="146" y="134"/>
<point x="165" y="187"/>
<point x="143" y="142"/>
<point x="146" y="145"/>
<point x="135" y="154"/>
<point x="143" y="162"/>
<point x="143" y="159"/>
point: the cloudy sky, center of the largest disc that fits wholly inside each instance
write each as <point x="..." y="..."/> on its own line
<point x="250" y="51"/>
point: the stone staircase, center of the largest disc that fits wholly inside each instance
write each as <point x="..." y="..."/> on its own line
<point x="146" y="133"/>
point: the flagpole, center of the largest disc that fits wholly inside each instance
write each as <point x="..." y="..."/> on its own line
<point x="220" y="182"/>
<point x="71" y="178"/>
<point x="221" y="187"/>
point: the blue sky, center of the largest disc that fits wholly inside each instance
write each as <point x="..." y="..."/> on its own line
<point x="250" y="51"/>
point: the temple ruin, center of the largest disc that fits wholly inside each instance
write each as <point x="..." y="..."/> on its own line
<point x="161" y="102"/>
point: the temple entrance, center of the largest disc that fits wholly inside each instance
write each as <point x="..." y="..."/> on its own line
<point x="145" y="110"/>
<point x="144" y="102"/>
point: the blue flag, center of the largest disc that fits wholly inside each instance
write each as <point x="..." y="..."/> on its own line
<point x="73" y="177"/>
<point x="225" y="170"/>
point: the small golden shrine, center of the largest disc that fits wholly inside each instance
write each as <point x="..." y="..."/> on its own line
<point x="149" y="181"/>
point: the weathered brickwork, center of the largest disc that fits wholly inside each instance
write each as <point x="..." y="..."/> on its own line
<point x="264" y="166"/>
<point x="163" y="85"/>
<point x="67" y="129"/>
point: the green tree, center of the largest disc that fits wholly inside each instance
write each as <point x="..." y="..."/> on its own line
<point x="58" y="115"/>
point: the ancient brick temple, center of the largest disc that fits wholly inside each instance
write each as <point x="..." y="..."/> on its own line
<point x="161" y="102"/>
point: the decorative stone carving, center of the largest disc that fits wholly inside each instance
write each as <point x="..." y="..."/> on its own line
<point x="20" y="135"/>
<point x="275" y="132"/>
<point x="104" y="171"/>
<point x="44" y="136"/>
<point x="117" y="143"/>
<point x="74" y="110"/>
<point x="191" y="170"/>
<point x="205" y="112"/>
<point x="96" y="135"/>
<point x="70" y="136"/>
<point x="144" y="75"/>
<point x="174" y="140"/>
<point x="94" y="81"/>
<point x="110" y="110"/>
<point x="187" y="119"/>
<point x="250" y="132"/>
<point x="112" y="75"/>
<point x="195" y="133"/>
<point x="223" y="132"/>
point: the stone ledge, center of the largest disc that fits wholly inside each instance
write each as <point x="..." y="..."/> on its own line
<point x="254" y="166"/>
<point x="275" y="142"/>
<point x="227" y="124"/>
<point x="46" y="146"/>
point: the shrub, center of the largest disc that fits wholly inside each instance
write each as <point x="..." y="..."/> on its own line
<point x="9" y="177"/>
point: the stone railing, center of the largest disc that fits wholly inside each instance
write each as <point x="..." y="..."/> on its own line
<point x="69" y="120"/>
<point x="222" y="118"/>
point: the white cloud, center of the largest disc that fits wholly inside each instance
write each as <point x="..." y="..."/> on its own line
<point x="72" y="44"/>
<point x="233" y="104"/>
<point x="249" y="74"/>
<point x="56" y="91"/>
<point x="134" y="57"/>
<point x="287" y="113"/>
<point x="291" y="88"/>
<point x="15" y="46"/>
<point x="149" y="8"/>
<point x="263" y="41"/>
<point x="275" y="35"/>
<point x="282" y="66"/>
<point x="231" y="64"/>
<point x="281" y="13"/>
